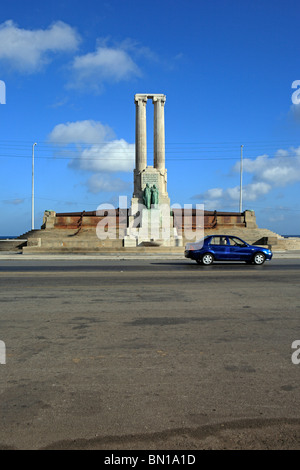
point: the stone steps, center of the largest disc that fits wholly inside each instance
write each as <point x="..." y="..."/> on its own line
<point x="54" y="233"/>
<point x="113" y="250"/>
<point x="289" y="244"/>
<point x="249" y="235"/>
<point x="86" y="240"/>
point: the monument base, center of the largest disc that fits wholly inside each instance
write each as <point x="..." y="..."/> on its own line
<point x="151" y="227"/>
<point x="76" y="232"/>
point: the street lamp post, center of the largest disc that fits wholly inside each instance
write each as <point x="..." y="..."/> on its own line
<point x="241" y="180"/>
<point x="32" y="193"/>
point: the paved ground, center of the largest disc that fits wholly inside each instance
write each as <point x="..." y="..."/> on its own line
<point x="149" y="354"/>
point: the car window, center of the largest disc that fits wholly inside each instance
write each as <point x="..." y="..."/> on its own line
<point x="218" y="241"/>
<point x="236" y="241"/>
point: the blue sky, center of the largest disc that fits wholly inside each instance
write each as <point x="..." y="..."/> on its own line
<point x="71" y="69"/>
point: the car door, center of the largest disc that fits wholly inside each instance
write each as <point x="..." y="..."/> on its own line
<point x="239" y="250"/>
<point x="220" y="248"/>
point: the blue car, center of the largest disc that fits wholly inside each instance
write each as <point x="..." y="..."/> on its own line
<point x="226" y="248"/>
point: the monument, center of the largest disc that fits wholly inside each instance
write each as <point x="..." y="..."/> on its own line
<point x="150" y="220"/>
<point x="156" y="174"/>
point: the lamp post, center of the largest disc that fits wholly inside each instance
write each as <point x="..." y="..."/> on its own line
<point x="241" y="180"/>
<point x="32" y="193"/>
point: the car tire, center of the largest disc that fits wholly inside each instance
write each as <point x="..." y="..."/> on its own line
<point x="259" y="258"/>
<point x="207" y="259"/>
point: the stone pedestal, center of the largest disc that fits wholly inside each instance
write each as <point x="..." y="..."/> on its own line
<point x="250" y="219"/>
<point x="49" y="219"/>
<point x="151" y="176"/>
<point x="151" y="227"/>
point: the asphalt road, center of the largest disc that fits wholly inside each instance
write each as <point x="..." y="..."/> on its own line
<point x="149" y="355"/>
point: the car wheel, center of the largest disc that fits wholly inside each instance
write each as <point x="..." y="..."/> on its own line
<point x="259" y="258"/>
<point x="199" y="261"/>
<point x="207" y="259"/>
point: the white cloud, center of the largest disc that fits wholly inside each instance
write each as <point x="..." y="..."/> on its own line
<point x="267" y="173"/>
<point x="253" y="191"/>
<point x="113" y="156"/>
<point x="280" y="170"/>
<point x="95" y="150"/>
<point x="218" y="198"/>
<point x="28" y="50"/>
<point x="14" y="202"/>
<point x="253" y="166"/>
<point x="106" y="64"/>
<point x="214" y="193"/>
<point x="105" y="183"/>
<point x="87" y="132"/>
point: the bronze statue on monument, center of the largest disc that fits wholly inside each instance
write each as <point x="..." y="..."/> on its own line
<point x="147" y="196"/>
<point x="154" y="196"/>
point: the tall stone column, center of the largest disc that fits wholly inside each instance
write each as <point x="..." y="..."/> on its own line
<point x="159" y="132"/>
<point x="140" y="133"/>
